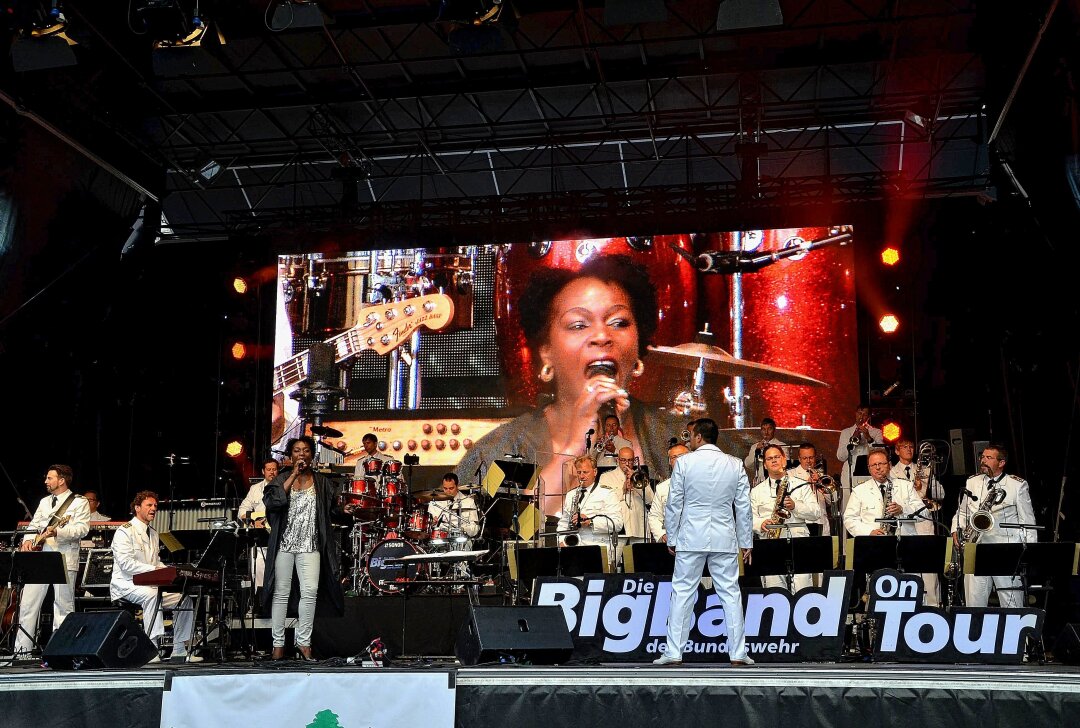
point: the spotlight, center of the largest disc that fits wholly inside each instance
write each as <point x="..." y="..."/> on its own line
<point x="889" y="323"/>
<point x="41" y="36"/>
<point x="891" y="432"/>
<point x="890" y="256"/>
<point x="234" y="449"/>
<point x="240" y="285"/>
<point x="238" y="350"/>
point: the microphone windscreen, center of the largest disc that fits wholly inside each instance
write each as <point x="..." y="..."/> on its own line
<point x="321" y="365"/>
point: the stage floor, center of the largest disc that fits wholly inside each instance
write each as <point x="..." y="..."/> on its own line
<point x="623" y="696"/>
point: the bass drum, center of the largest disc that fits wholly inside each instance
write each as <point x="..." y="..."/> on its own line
<point x="394" y="578"/>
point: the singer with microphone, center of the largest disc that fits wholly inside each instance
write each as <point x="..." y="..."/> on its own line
<point x="587" y="331"/>
<point x="300" y="506"/>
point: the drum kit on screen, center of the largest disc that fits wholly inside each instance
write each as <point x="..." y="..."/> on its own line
<point x="391" y="523"/>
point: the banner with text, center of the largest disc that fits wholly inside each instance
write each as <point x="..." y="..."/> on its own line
<point x="623" y="618"/>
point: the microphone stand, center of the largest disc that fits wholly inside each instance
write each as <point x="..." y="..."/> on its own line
<point x="18" y="495"/>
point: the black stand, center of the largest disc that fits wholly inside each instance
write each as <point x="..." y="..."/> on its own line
<point x="558" y="561"/>
<point x="1030" y="562"/>
<point x="30" y="567"/>
<point x="910" y="554"/>
<point x="787" y="556"/>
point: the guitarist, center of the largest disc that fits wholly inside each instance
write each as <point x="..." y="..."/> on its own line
<point x="62" y="518"/>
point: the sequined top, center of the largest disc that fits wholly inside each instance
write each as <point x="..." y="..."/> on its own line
<point x="301" y="530"/>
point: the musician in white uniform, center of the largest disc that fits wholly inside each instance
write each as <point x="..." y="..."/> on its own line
<point x="631" y="500"/>
<point x="855" y="441"/>
<point x="659" y="501"/>
<point x="708" y="519"/>
<point x="610" y="443"/>
<point x="1013" y="505"/>
<point x="135" y="548"/>
<point x="801" y="503"/>
<point x="62" y="503"/>
<point x="867" y="501"/>
<point x="907" y="469"/>
<point x="456" y="513"/>
<point x="371" y="452"/>
<point x="598" y="508"/>
<point x="755" y="467"/>
<point x="252" y="510"/>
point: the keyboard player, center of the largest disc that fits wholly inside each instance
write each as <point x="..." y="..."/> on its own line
<point x="135" y="549"/>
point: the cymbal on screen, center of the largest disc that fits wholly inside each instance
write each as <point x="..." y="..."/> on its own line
<point x="717" y="361"/>
<point x="323" y="431"/>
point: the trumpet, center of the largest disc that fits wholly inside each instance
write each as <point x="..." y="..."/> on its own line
<point x="601" y="445"/>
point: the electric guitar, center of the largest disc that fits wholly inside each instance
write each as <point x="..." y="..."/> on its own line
<point x="39" y="540"/>
<point x="384" y="328"/>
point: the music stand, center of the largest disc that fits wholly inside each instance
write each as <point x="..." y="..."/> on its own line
<point x="1027" y="561"/>
<point x="786" y="556"/>
<point x="908" y="554"/>
<point x="560" y="561"/>
<point x="30" y="567"/>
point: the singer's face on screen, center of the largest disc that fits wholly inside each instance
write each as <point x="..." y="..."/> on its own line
<point x="591" y="322"/>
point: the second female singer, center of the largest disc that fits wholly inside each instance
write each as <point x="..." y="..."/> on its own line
<point x="589" y="329"/>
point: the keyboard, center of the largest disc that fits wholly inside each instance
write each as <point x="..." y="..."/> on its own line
<point x="176" y="575"/>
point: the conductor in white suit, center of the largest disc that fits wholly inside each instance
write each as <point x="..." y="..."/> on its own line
<point x="708" y="518"/>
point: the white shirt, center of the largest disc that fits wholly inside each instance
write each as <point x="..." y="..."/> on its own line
<point x="594" y="501"/>
<point x="906" y="471"/>
<point x="763" y="504"/>
<point x="67" y="537"/>
<point x="845" y="438"/>
<point x="611" y="459"/>
<point x="708" y="507"/>
<point x="253" y="501"/>
<point x="866" y="505"/>
<point x="135" y="549"/>
<point x="460" y="512"/>
<point x="1015" y="508"/>
<point x="631" y="503"/>
<point x="800" y="475"/>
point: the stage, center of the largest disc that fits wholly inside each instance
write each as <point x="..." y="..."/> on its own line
<point x="627" y="696"/>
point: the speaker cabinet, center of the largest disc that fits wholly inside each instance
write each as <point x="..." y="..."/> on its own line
<point x="537" y="635"/>
<point x="1067" y="644"/>
<point x="98" y="639"/>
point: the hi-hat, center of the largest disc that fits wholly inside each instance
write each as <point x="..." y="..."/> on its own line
<point x="323" y="431"/>
<point x="717" y="361"/>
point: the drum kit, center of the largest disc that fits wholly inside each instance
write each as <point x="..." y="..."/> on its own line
<point x="390" y="522"/>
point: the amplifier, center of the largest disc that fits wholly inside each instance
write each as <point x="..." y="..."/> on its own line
<point x="97" y="571"/>
<point x="191" y="514"/>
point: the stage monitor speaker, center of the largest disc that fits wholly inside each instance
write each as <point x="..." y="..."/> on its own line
<point x="536" y="635"/>
<point x="98" y="639"/>
<point x="1067" y="644"/>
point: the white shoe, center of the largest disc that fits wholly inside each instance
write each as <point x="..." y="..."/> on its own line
<point x="193" y="659"/>
<point x="666" y="659"/>
<point x="742" y="662"/>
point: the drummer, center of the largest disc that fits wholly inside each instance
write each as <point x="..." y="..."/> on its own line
<point x="371" y="452"/>
<point x="453" y="511"/>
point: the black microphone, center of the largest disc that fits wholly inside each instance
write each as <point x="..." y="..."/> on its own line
<point x="321" y="364"/>
<point x="970" y="495"/>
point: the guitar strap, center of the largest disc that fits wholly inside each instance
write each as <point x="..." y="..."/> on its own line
<point x="59" y="513"/>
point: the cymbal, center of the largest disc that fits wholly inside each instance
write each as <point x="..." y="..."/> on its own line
<point x="718" y="361"/>
<point x="323" y="431"/>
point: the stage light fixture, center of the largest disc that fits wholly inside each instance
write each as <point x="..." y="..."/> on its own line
<point x="234" y="449"/>
<point x="240" y="285"/>
<point x="889" y="323"/>
<point x="890" y="256"/>
<point x="41" y="40"/>
<point x="891" y="432"/>
<point x="238" y="350"/>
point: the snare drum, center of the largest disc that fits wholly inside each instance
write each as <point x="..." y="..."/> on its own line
<point x="372" y="468"/>
<point x="394" y="578"/>
<point x="391" y="468"/>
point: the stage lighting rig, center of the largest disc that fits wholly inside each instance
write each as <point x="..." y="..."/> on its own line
<point x="470" y="12"/>
<point x="171" y="23"/>
<point x="41" y="39"/>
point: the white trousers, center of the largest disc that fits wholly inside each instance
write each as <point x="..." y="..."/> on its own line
<point x="724" y="569"/>
<point x="147" y="597"/>
<point x="977" y="590"/>
<point x="799" y="581"/>
<point x="31" y="598"/>
<point x="307" y="572"/>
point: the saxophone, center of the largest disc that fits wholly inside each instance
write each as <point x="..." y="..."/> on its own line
<point x="573" y="539"/>
<point x="982" y="520"/>
<point x="780" y="514"/>
<point x="887" y="528"/>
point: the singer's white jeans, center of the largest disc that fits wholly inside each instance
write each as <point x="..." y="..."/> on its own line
<point x="307" y="572"/>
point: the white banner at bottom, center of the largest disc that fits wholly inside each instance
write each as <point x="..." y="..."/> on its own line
<point x="310" y="700"/>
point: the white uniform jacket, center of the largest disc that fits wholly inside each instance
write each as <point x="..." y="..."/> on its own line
<point x="135" y="549"/>
<point x="595" y="501"/>
<point x="1015" y="508"/>
<point x="708" y="507"/>
<point x="763" y="503"/>
<point x="866" y="505"/>
<point x="656" y="510"/>
<point x="67" y="537"/>
<point x="457" y="513"/>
